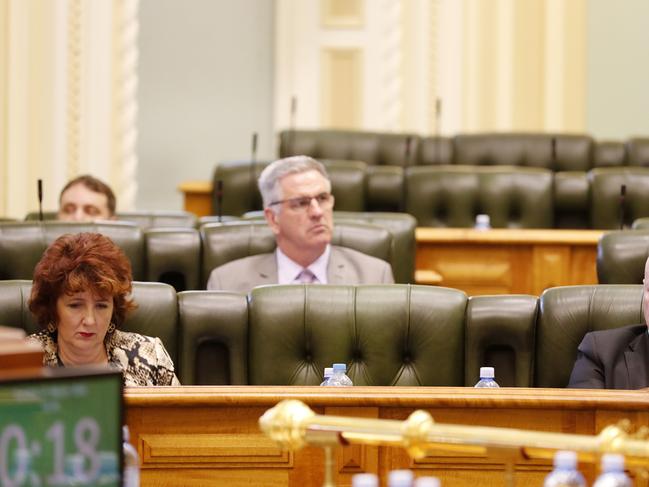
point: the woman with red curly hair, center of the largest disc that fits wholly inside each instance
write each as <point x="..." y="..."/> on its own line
<point x="80" y="297"/>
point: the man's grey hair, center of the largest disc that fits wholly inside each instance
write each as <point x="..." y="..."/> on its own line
<point x="272" y="174"/>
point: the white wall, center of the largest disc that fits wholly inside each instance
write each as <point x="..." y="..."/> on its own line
<point x="617" y="69"/>
<point x="205" y="85"/>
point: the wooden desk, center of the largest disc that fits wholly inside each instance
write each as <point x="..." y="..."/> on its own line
<point x="197" y="197"/>
<point x="502" y="261"/>
<point x="196" y="436"/>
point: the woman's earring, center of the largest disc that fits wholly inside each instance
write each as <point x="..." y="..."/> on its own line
<point x="111" y="327"/>
<point x="51" y="327"/>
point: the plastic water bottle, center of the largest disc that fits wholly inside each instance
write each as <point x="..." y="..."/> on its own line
<point x="365" y="480"/>
<point x="339" y="377"/>
<point x="565" y="473"/>
<point x="487" y="378"/>
<point x="328" y="372"/>
<point x="482" y="222"/>
<point x="427" y="482"/>
<point x="613" y="474"/>
<point x="400" y="478"/>
<point x="131" y="462"/>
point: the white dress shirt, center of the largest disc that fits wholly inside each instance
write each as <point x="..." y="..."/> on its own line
<point x="288" y="271"/>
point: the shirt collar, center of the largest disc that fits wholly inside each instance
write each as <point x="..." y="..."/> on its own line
<point x="288" y="270"/>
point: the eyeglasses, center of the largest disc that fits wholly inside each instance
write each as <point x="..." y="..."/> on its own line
<point x="303" y="203"/>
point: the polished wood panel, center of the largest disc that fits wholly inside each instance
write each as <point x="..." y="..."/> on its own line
<point x="209" y="435"/>
<point x="197" y="197"/>
<point x="504" y="261"/>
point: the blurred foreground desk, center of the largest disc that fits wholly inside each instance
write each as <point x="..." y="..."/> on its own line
<point x="209" y="435"/>
<point x="504" y="261"/>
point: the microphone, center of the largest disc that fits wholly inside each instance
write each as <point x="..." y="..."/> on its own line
<point x="253" y="157"/>
<point x="438" y="118"/>
<point x="553" y="152"/>
<point x="292" y="125"/>
<point x="622" y="205"/>
<point x="40" y="200"/>
<point x="219" y="200"/>
<point x="406" y="153"/>
<point x="252" y="176"/>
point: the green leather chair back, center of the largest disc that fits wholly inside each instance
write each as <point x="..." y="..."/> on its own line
<point x="22" y="244"/>
<point x="637" y="149"/>
<point x="621" y="256"/>
<point x="571" y="199"/>
<point x="156" y="313"/>
<point x="609" y="153"/>
<point x="373" y="148"/>
<point x="452" y="196"/>
<point x="573" y="152"/>
<point x="240" y="194"/>
<point x="388" y="335"/>
<point x="500" y="333"/>
<point x="173" y="255"/>
<point x="223" y="243"/>
<point x="143" y="219"/>
<point x="435" y="150"/>
<point x="213" y="338"/>
<point x="402" y="227"/>
<point x="567" y="314"/>
<point x="605" y="185"/>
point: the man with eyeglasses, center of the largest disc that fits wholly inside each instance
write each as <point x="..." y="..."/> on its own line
<point x="298" y="206"/>
<point x="617" y="358"/>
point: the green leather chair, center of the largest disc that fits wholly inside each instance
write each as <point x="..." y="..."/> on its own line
<point x="143" y="219"/>
<point x="387" y="335"/>
<point x="452" y="196"/>
<point x="156" y="313"/>
<point x="605" y="200"/>
<point x="621" y="256"/>
<point x="500" y="333"/>
<point x="640" y="224"/>
<point x="567" y="313"/>
<point x="637" y="150"/>
<point x="22" y="244"/>
<point x="213" y="337"/>
<point x="239" y="192"/>
<point x="223" y="243"/>
<point x="173" y="256"/>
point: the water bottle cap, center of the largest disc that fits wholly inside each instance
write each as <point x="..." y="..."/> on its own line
<point x="342" y="367"/>
<point x="329" y="371"/>
<point x="398" y="478"/>
<point x="365" y="480"/>
<point x="612" y="462"/>
<point x="487" y="373"/>
<point x="565" y="459"/>
<point x="427" y="482"/>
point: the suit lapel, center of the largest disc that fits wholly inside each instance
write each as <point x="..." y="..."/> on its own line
<point x="636" y="362"/>
<point x="267" y="269"/>
<point x="336" y="269"/>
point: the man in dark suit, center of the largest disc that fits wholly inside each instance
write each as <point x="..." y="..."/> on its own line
<point x="298" y="207"/>
<point x="616" y="358"/>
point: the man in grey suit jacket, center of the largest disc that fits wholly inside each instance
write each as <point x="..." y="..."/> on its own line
<point x="298" y="207"/>
<point x="617" y="358"/>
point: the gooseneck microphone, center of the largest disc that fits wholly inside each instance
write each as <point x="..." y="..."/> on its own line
<point x="292" y="126"/>
<point x="407" y="150"/>
<point x="219" y="200"/>
<point x="622" y="206"/>
<point x="40" y="200"/>
<point x="553" y="153"/>
<point x="438" y="122"/>
<point x="252" y="176"/>
<point x="253" y="152"/>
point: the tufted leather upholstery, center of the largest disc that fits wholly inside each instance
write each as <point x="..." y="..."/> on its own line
<point x="621" y="256"/>
<point x="156" y="314"/>
<point x="638" y="151"/>
<point x="223" y="243"/>
<point x="573" y="152"/>
<point x="170" y="255"/>
<point x="608" y="153"/>
<point x="22" y="244"/>
<point x="435" y="151"/>
<point x="144" y="219"/>
<point x="567" y="314"/>
<point x="605" y="184"/>
<point x="213" y="337"/>
<point x="500" y="334"/>
<point x="388" y="335"/>
<point x="571" y="199"/>
<point x="452" y="196"/>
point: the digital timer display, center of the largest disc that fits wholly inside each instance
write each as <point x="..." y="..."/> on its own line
<point x="62" y="430"/>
